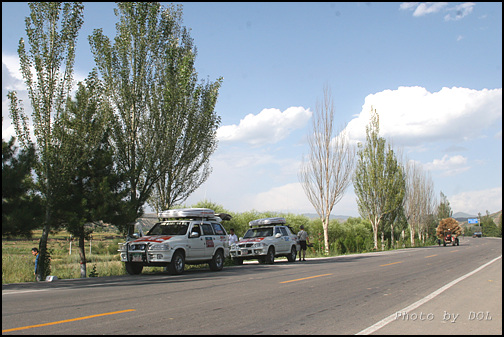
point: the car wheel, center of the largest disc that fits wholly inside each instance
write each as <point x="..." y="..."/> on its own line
<point x="270" y="257"/>
<point x="177" y="264"/>
<point x="217" y="262"/>
<point x="133" y="268"/>
<point x="292" y="256"/>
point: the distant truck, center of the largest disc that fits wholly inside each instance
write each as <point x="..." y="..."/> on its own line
<point x="448" y="232"/>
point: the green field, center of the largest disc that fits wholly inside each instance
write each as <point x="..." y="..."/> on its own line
<point x="101" y="255"/>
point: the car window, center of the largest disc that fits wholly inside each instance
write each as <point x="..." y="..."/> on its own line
<point x="169" y="228"/>
<point x="258" y="232"/>
<point x="284" y="231"/>
<point x="196" y="228"/>
<point x="207" y="229"/>
<point x="277" y="230"/>
<point x="219" y="230"/>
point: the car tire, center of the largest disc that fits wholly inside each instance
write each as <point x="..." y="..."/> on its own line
<point x="177" y="264"/>
<point x="217" y="262"/>
<point x="292" y="256"/>
<point x="270" y="257"/>
<point x="133" y="268"/>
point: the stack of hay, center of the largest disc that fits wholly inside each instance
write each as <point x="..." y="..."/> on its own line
<point x="448" y="225"/>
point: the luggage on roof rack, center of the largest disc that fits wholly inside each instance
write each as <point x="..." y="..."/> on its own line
<point x="267" y="221"/>
<point x="187" y="213"/>
<point x="193" y="213"/>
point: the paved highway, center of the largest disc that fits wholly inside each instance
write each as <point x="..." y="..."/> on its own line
<point x="343" y="295"/>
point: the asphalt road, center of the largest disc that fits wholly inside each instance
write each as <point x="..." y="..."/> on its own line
<point x="343" y="295"/>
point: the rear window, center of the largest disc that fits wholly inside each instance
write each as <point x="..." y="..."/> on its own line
<point x="207" y="229"/>
<point x="219" y="230"/>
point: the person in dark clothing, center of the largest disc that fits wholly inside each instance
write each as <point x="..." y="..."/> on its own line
<point x="35" y="253"/>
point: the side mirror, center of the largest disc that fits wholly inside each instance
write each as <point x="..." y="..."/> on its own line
<point x="194" y="235"/>
<point x="278" y="235"/>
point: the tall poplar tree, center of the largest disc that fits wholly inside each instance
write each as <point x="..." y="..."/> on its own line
<point x="379" y="180"/>
<point x="164" y="125"/>
<point x="47" y="68"/>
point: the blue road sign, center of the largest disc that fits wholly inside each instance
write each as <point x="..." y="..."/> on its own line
<point x="472" y="221"/>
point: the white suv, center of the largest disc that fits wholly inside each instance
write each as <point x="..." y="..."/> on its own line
<point x="266" y="239"/>
<point x="188" y="235"/>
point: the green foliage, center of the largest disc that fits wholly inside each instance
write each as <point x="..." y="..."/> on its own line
<point x="444" y="210"/>
<point x="379" y="180"/>
<point x="47" y="68"/>
<point x="93" y="272"/>
<point x="22" y="209"/>
<point x="164" y="126"/>
<point x="488" y="226"/>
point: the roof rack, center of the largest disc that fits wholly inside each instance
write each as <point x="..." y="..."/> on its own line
<point x="267" y="221"/>
<point x="194" y="213"/>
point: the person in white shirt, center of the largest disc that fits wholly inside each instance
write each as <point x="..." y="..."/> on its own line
<point x="232" y="237"/>
<point x="303" y="238"/>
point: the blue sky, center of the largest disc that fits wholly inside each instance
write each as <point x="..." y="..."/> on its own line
<point x="433" y="72"/>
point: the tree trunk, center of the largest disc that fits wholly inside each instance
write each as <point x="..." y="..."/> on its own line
<point x="412" y="235"/>
<point x="42" y="267"/>
<point x="392" y="242"/>
<point x="326" y="235"/>
<point x="375" y="236"/>
<point x="82" y="253"/>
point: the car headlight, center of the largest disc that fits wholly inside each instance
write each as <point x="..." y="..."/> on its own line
<point x="122" y="247"/>
<point x="159" y="246"/>
<point x="258" y="245"/>
<point x="233" y="246"/>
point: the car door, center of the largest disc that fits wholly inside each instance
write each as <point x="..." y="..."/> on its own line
<point x="280" y="243"/>
<point x="209" y="239"/>
<point x="196" y="243"/>
<point x="287" y="239"/>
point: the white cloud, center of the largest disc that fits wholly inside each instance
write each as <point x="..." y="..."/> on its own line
<point x="284" y="198"/>
<point x="413" y="115"/>
<point x="267" y="127"/>
<point x="424" y="8"/>
<point x="474" y="202"/>
<point x="12" y="78"/>
<point x="291" y="198"/>
<point x="459" y="11"/>
<point x="449" y="165"/>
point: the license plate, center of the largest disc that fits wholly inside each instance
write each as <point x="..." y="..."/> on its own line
<point x="245" y="251"/>
<point x="136" y="257"/>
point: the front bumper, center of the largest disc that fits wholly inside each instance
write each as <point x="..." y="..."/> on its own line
<point x="158" y="256"/>
<point x="248" y="252"/>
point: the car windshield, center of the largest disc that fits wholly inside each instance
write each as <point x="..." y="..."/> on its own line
<point x="258" y="232"/>
<point x="169" y="228"/>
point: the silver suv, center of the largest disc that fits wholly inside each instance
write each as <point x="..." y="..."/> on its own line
<point x="188" y="235"/>
<point x="266" y="239"/>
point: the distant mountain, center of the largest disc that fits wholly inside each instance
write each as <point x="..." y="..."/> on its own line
<point x="463" y="215"/>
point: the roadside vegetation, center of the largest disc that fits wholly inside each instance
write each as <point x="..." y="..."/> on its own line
<point x="352" y="236"/>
